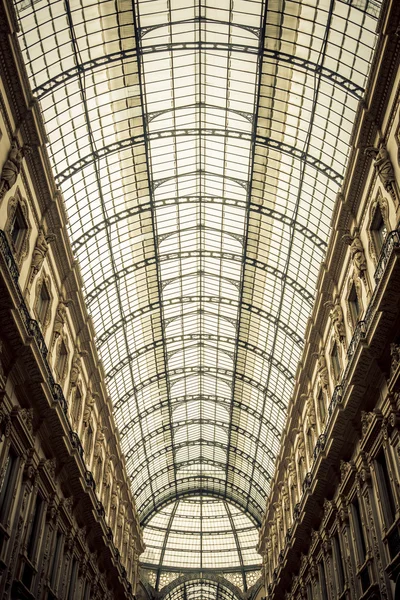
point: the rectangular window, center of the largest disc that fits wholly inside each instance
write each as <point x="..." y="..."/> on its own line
<point x="322" y="580"/>
<point x="358" y="531"/>
<point x="61" y="361"/>
<point x="43" y="303"/>
<point x="379" y="230"/>
<point x="56" y="560"/>
<point x="385" y="489"/>
<point x="335" y="361"/>
<point x="321" y="405"/>
<point x="72" y="581"/>
<point x="18" y="229"/>
<point x="7" y="484"/>
<point x="338" y="562"/>
<point x="354" y="305"/>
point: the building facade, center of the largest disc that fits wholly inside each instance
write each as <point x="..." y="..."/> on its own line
<point x="68" y="523"/>
<point x="332" y="523"/>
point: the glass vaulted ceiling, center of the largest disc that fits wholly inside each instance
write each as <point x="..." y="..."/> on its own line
<point x="200" y="146"/>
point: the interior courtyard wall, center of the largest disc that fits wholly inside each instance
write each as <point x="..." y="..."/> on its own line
<point x="332" y="522"/>
<point x="68" y="523"/>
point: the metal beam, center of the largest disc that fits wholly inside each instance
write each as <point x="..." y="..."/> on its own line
<point x="267" y="268"/>
<point x="170" y="426"/>
<point x="118" y="366"/>
<point x="129" y="142"/>
<point x="220" y="400"/>
<point x="170" y="468"/>
<point x="166" y="536"/>
<point x="166" y="495"/>
<point x="162" y="451"/>
<point x="96" y="228"/>
<point x="212" y="372"/>
<point x="239" y="550"/>
<point x="125" y="55"/>
<point x="196" y="299"/>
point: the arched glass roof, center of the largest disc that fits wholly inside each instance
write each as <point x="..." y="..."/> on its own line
<point x="200" y="147"/>
<point x="201" y="589"/>
<point x="200" y="533"/>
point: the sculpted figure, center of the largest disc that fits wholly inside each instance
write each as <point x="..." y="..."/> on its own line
<point x="121" y="515"/>
<point x="114" y="497"/>
<point x="60" y="318"/>
<point x="300" y="444"/>
<point x="99" y="441"/>
<point x="292" y="471"/>
<point x="311" y="411"/>
<point x="11" y="169"/>
<point x="337" y="319"/>
<point x="357" y="253"/>
<point x="75" y="369"/>
<point x="41" y="249"/>
<point x="90" y="400"/>
<point x="107" y="472"/>
<point x="322" y="370"/>
<point x="384" y="168"/>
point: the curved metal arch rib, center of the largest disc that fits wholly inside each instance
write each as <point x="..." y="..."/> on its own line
<point x="133" y="212"/>
<point x="270" y="269"/>
<point x="297" y="62"/>
<point x="220" y="400"/>
<point x="212" y="372"/>
<point x="236" y="593"/>
<point x="194" y="299"/>
<point x="199" y="337"/>
<point x="151" y="457"/>
<point x="277" y="145"/>
<point x="169" y="427"/>
<point x="231" y="468"/>
<point x="253" y="510"/>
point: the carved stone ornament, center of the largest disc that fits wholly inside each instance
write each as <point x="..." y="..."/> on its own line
<point x="301" y="449"/>
<point x="114" y="497"/>
<point x="26" y="415"/>
<point x="5" y="422"/>
<point x="75" y="369"/>
<point x="68" y="504"/>
<point x="30" y="470"/>
<point x="52" y="509"/>
<point x="394" y="357"/>
<point x="311" y="410"/>
<point x="51" y="465"/>
<point x="328" y="505"/>
<point x="11" y="168"/>
<point x="366" y="419"/>
<point x="344" y="469"/>
<point x="60" y="318"/>
<point x="365" y="471"/>
<point x="380" y="203"/>
<point x="351" y="317"/>
<point x="99" y="441"/>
